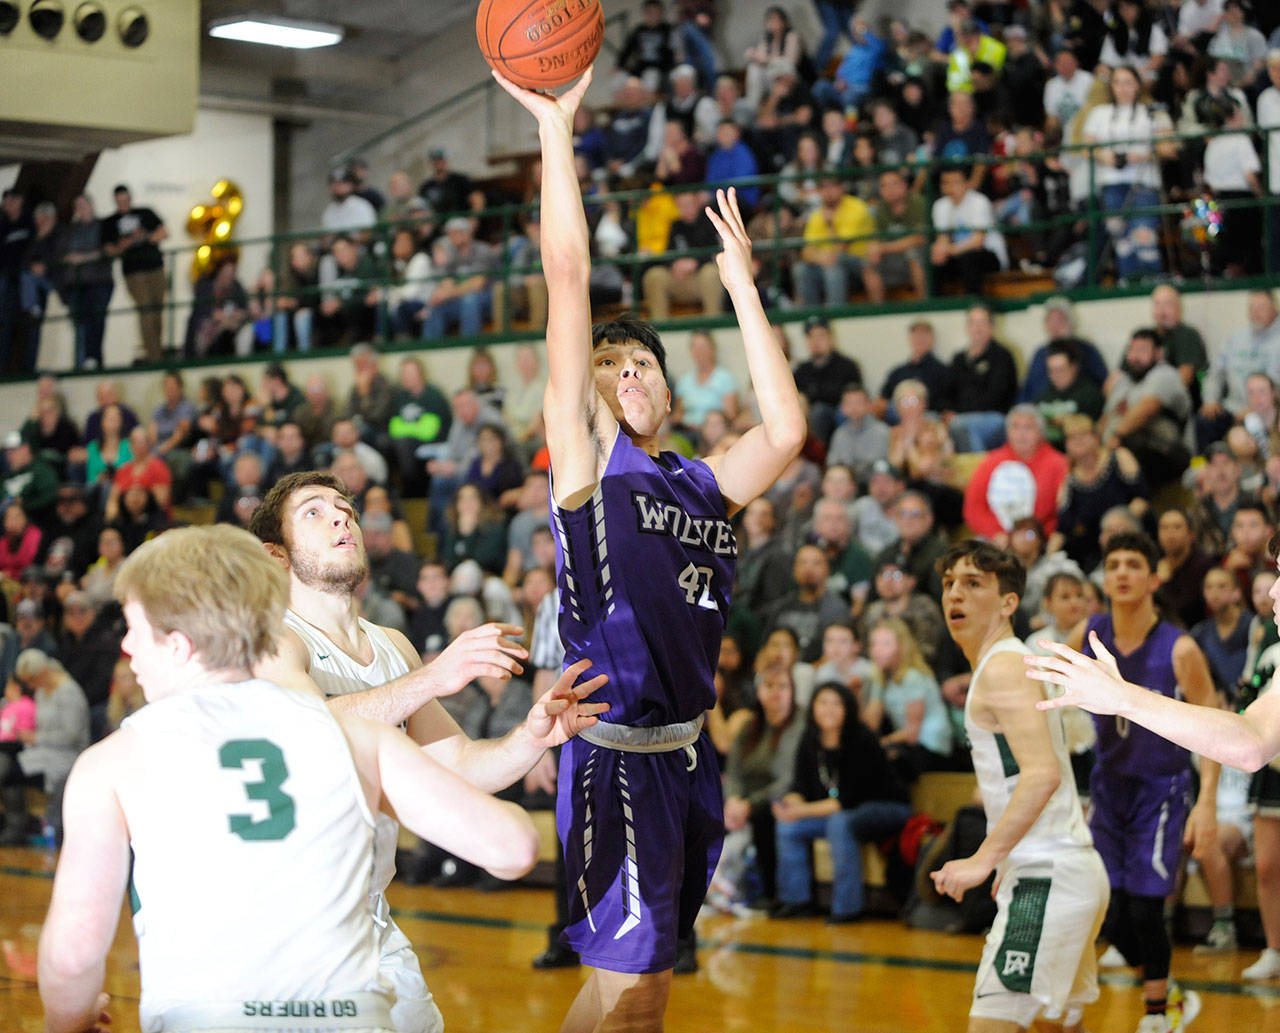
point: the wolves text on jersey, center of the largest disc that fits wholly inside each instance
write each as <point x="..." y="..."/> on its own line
<point x="658" y="516"/>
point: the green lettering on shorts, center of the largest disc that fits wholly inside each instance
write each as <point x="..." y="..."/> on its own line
<point x="1015" y="961"/>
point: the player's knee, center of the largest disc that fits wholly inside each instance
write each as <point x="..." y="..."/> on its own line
<point x="1268" y="865"/>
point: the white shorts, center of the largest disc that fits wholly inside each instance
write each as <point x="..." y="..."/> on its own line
<point x="1038" y="959"/>
<point x="413" y="1009"/>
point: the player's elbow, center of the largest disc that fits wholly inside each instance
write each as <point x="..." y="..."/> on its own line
<point x="567" y="267"/>
<point x="1045" y="781"/>
<point x="515" y="847"/>
<point x="787" y="433"/>
<point x="1254" y="754"/>
<point x="64" y="958"/>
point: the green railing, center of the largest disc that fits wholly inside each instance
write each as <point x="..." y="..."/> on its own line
<point x="775" y="250"/>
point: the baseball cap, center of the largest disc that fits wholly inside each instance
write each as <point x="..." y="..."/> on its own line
<point x="970" y="27"/>
<point x="884" y="466"/>
<point x="1015" y="32"/>
<point x="28" y="608"/>
<point x="1218" y="448"/>
<point x="340" y="174"/>
<point x="458" y="222"/>
<point x="1058" y="303"/>
<point x="813" y="322"/>
<point x="437" y="154"/>
<point x="896" y="561"/>
<point x="13" y="439"/>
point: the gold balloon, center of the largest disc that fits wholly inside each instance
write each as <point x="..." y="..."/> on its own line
<point x="195" y="221"/>
<point x="213" y="224"/>
<point x="201" y="262"/>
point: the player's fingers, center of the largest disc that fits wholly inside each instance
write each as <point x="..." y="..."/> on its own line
<point x="503" y="668"/>
<point x="574" y="96"/>
<point x="1051" y="704"/>
<point x="735" y="212"/>
<point x="721" y="226"/>
<point x="512" y="648"/>
<point x="588" y="687"/>
<point x="1099" y="650"/>
<point x="506" y="658"/>
<point x="591" y="709"/>
<point x="575" y="669"/>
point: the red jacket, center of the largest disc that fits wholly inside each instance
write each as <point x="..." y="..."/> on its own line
<point x="1012" y="489"/>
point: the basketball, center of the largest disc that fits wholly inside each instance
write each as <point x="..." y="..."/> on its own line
<point x="540" y="44"/>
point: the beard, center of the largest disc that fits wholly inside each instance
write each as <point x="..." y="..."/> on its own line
<point x="1135" y="373"/>
<point x="337" y="578"/>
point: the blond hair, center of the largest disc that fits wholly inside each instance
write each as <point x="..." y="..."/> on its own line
<point x="909" y="656"/>
<point x="217" y="586"/>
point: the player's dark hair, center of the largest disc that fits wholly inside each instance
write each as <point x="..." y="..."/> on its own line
<point x="628" y="328"/>
<point x="1011" y="576"/>
<point x="1133" y="541"/>
<point x="267" y="521"/>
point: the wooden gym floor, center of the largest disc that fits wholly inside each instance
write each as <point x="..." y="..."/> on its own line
<point x="756" y="974"/>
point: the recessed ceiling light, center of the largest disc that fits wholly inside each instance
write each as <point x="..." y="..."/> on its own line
<point x="277" y="32"/>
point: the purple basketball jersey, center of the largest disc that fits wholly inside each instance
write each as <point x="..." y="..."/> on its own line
<point x="1129" y="749"/>
<point x="645" y="567"/>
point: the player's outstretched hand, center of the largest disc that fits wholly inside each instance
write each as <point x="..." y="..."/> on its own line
<point x="561" y="713"/>
<point x="1092" y="685"/>
<point x="546" y="107"/>
<point x="734" y="261"/>
<point x="955" y="878"/>
<point x="489" y="651"/>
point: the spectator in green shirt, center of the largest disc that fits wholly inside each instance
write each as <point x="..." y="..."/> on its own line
<point x="1068" y="391"/>
<point x="896" y="259"/>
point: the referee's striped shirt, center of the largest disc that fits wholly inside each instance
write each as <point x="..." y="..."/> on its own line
<point x="546" y="652"/>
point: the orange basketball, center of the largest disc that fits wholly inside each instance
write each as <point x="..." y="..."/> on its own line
<point x="540" y="44"/>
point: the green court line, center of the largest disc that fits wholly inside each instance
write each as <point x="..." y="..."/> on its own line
<point x="773" y="951"/>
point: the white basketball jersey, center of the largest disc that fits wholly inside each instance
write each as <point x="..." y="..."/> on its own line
<point x="336" y="674"/>
<point x="253" y="847"/>
<point x="1061" y="824"/>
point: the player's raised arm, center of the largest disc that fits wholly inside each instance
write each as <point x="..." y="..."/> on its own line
<point x="1008" y="699"/>
<point x="1246" y="741"/>
<point x="578" y="426"/>
<point x="756" y="460"/>
<point x="492" y="650"/>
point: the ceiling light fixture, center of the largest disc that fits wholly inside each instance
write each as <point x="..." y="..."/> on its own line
<point x="277" y="32"/>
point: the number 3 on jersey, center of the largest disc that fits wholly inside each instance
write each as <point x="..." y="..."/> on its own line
<point x="696" y="582"/>
<point x="280" y="818"/>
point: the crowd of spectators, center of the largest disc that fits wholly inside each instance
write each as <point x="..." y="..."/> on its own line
<point x="993" y="98"/>
<point x="836" y="670"/>
<point x="835" y="627"/>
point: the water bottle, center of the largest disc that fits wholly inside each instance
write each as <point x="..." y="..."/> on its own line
<point x="48" y="836"/>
